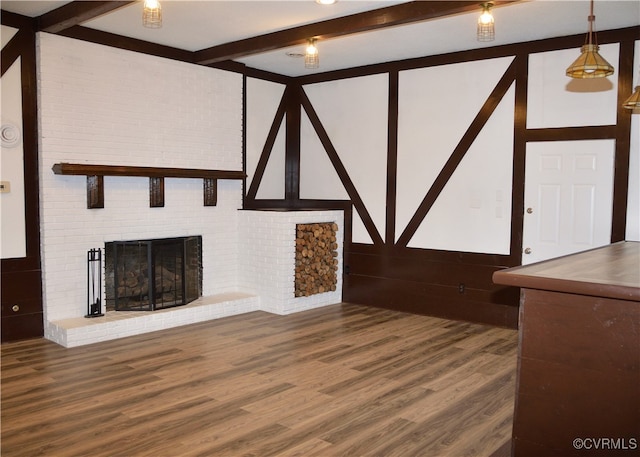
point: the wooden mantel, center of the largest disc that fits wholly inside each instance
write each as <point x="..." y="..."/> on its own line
<point x="95" y="180"/>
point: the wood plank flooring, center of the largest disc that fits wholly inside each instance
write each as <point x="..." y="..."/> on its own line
<point x="343" y="380"/>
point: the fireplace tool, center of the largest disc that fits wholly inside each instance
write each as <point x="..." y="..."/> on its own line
<point x="94" y="283"/>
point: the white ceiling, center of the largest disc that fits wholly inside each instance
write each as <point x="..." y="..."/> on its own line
<point x="195" y="25"/>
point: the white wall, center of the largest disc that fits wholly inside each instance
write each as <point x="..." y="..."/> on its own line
<point x="436" y="106"/>
<point x="12" y="202"/>
<point x="263" y="98"/>
<point x="101" y="105"/>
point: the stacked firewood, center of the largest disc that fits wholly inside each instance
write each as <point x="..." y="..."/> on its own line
<point x="316" y="258"/>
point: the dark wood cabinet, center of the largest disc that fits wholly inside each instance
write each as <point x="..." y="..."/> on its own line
<point x="578" y="385"/>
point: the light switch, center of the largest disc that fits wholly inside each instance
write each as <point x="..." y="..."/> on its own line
<point x="5" y="187"/>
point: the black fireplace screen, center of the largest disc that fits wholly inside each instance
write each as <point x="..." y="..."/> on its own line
<point x="146" y="275"/>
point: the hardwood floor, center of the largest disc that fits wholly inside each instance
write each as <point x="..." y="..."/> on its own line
<point x="343" y="380"/>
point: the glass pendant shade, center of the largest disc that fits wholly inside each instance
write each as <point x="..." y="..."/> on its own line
<point x="152" y="14"/>
<point x="633" y="102"/>
<point x="486" y="24"/>
<point x="311" y="56"/>
<point x="590" y="64"/>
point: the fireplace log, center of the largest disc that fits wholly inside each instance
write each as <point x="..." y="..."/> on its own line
<point x="316" y="259"/>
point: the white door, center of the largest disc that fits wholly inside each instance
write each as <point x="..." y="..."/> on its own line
<point x="568" y="198"/>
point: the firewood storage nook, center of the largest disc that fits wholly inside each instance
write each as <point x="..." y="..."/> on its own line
<point x="316" y="258"/>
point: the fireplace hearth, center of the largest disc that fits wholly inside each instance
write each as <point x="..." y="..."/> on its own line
<point x="147" y="275"/>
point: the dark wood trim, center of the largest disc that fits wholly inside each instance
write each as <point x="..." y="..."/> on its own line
<point x="391" y="16"/>
<point x="75" y="13"/>
<point x="126" y="43"/>
<point x="341" y="171"/>
<point x="95" y="192"/>
<point x="267" y="148"/>
<point x="623" y="143"/>
<point x="292" y="143"/>
<point x="17" y="21"/>
<point x="210" y="191"/>
<point x="148" y="172"/>
<point x="519" y="159"/>
<point x="458" y="153"/>
<point x="433" y="255"/>
<point x="244" y="143"/>
<point x="267" y="76"/>
<point x="14" y="48"/>
<point x="95" y="180"/>
<point x="298" y="205"/>
<point x="156" y="192"/>
<point x="392" y="159"/>
<point x="597" y="132"/>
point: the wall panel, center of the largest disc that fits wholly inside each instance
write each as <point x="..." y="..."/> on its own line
<point x="554" y="100"/>
<point x="354" y="114"/>
<point x="472" y="214"/>
<point x="451" y="171"/>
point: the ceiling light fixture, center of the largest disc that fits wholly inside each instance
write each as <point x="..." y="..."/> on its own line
<point x="590" y="64"/>
<point x="633" y="102"/>
<point x="152" y="14"/>
<point x="311" y="57"/>
<point x="326" y="2"/>
<point x="486" y="23"/>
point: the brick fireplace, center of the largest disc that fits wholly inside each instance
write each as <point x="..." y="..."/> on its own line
<point x="265" y="266"/>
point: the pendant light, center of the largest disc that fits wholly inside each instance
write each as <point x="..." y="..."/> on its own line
<point x="590" y="64"/>
<point x="633" y="102"/>
<point x="486" y="24"/>
<point x="311" y="57"/>
<point x="152" y="14"/>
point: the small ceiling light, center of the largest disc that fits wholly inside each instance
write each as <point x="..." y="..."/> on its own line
<point x="486" y="23"/>
<point x="590" y="64"/>
<point x="311" y="57"/>
<point x="326" y="2"/>
<point x="152" y="14"/>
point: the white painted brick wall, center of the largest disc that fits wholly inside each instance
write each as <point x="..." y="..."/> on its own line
<point x="101" y="105"/>
<point x="267" y="258"/>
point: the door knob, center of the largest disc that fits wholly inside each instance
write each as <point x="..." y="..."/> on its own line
<point x="529" y="210"/>
<point x="15" y="308"/>
<point x="527" y="251"/>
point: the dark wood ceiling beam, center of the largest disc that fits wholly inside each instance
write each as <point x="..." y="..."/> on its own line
<point x="75" y="13"/>
<point x="404" y="13"/>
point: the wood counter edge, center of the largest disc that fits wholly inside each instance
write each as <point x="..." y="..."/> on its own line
<point x="518" y="277"/>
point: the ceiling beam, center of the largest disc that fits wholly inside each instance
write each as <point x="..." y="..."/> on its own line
<point x="404" y="13"/>
<point x="75" y="13"/>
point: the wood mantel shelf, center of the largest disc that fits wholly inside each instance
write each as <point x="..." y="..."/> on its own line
<point x="95" y="180"/>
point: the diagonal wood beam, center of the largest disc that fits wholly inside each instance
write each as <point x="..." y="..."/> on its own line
<point x="75" y="13"/>
<point x="458" y="154"/>
<point x="404" y="13"/>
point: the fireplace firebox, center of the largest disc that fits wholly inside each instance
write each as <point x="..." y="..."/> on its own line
<point x="147" y="275"/>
